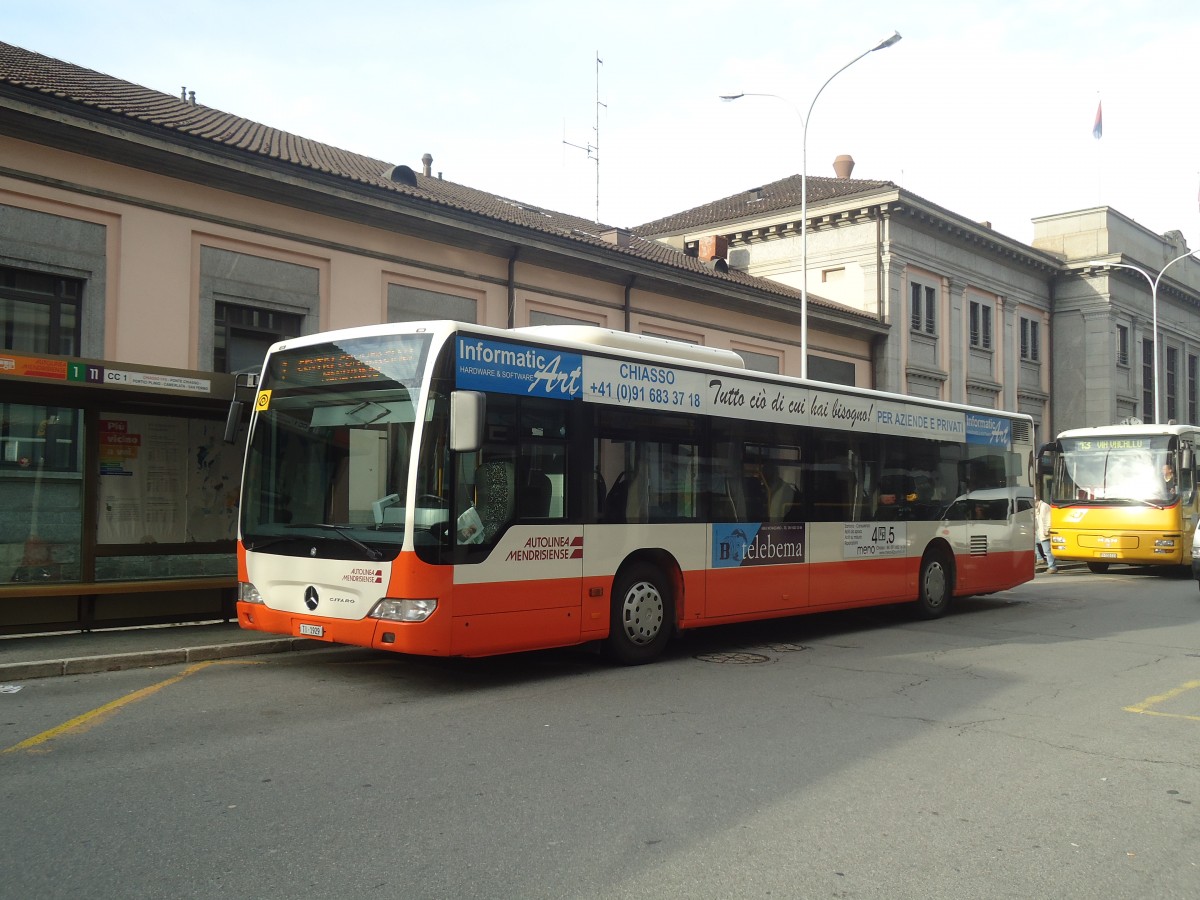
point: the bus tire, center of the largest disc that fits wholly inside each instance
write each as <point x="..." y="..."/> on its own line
<point x="1098" y="568"/>
<point x="935" y="585"/>
<point x="642" y="615"/>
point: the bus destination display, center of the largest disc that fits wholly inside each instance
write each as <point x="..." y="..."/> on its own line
<point x="397" y="359"/>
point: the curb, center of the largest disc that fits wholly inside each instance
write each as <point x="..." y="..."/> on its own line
<point x="144" y="659"/>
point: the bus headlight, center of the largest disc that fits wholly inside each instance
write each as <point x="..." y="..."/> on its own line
<point x="403" y="610"/>
<point x="248" y="593"/>
<point x="1166" y="543"/>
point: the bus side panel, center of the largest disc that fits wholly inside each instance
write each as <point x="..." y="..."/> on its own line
<point x="608" y="547"/>
<point x="743" y="592"/>
<point x="997" y="571"/>
<point x="995" y="555"/>
<point x="841" y="576"/>
<point x="508" y="632"/>
<point x="531" y="567"/>
<point x="837" y="585"/>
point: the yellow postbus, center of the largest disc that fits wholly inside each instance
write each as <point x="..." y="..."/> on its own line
<point x="1123" y="494"/>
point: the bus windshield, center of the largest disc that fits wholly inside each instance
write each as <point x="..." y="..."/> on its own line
<point x="1116" y="471"/>
<point x="329" y="456"/>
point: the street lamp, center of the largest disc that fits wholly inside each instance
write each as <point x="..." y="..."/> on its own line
<point x="804" y="120"/>
<point x="1153" y="282"/>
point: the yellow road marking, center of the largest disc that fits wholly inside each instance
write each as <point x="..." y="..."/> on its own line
<point x="1146" y="707"/>
<point x="97" y="715"/>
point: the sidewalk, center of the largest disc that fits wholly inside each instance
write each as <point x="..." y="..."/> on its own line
<point x="77" y="653"/>
<point x="23" y="657"/>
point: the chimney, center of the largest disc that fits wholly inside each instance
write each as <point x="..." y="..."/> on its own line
<point x="618" y="236"/>
<point x="713" y="246"/>
<point x="843" y="165"/>
<point x="427" y="162"/>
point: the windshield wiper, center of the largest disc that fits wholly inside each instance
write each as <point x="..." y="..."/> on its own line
<point x="1127" y="501"/>
<point x="371" y="552"/>
<point x="267" y="542"/>
<point x="281" y="539"/>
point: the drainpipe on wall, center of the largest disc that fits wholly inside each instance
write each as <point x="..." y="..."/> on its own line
<point x="881" y="285"/>
<point x="1048" y="432"/>
<point x="512" y="287"/>
<point x="880" y="281"/>
<point x="628" y="300"/>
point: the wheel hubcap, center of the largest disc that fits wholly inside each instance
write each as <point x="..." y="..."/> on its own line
<point x="642" y="613"/>
<point x="935" y="585"/>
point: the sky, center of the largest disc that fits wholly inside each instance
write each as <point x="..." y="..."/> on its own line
<point x="986" y="109"/>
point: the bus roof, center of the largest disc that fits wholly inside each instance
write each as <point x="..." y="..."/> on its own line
<point x="640" y="343"/>
<point x="1128" y="430"/>
<point x="596" y="339"/>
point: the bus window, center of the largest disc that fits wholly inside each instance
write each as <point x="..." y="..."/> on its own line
<point x="541" y="464"/>
<point x="772" y="477"/>
<point x="487" y="495"/>
<point x="648" y="480"/>
<point x="918" y="480"/>
<point x="842" y="476"/>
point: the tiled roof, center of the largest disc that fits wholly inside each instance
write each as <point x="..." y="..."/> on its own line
<point x="109" y="96"/>
<point x="760" y="201"/>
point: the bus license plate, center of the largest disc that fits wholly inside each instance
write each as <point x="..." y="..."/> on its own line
<point x="312" y="630"/>
<point x="1101" y="555"/>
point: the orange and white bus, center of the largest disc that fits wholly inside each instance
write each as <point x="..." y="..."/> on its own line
<point x="1124" y="494"/>
<point x="447" y="489"/>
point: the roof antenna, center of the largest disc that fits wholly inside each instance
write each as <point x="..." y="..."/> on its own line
<point x="593" y="150"/>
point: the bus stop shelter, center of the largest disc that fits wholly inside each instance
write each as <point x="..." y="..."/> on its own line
<point x="119" y="494"/>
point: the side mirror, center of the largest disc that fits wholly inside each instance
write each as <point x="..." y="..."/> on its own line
<point x="234" y="417"/>
<point x="232" y="420"/>
<point x="468" y="410"/>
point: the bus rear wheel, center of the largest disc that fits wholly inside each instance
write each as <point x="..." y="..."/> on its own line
<point x="643" y="612"/>
<point x="1098" y="568"/>
<point x="935" y="587"/>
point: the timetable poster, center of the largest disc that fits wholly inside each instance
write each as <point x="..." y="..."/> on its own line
<point x="166" y="480"/>
<point x="143" y="479"/>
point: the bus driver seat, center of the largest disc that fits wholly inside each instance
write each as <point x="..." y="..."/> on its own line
<point x="495" y="495"/>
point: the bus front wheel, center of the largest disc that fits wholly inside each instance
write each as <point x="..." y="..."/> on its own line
<point x="642" y="613"/>
<point x="1098" y="568"/>
<point x="935" y="586"/>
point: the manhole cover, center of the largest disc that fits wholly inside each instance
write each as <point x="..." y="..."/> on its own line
<point x="734" y="658"/>
<point x="785" y="648"/>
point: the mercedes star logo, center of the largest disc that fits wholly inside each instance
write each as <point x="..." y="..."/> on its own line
<point x="310" y="597"/>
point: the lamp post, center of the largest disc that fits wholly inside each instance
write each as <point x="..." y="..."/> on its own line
<point x="804" y="120"/>
<point x="1153" y="282"/>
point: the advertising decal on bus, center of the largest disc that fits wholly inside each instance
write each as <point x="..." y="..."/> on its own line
<point x="871" y="539"/>
<point x="757" y="544"/>
<point x="990" y="430"/>
<point x="514" y="368"/>
<point x="542" y="547"/>
<point x="518" y="369"/>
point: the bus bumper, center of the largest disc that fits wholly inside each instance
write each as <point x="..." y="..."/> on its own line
<point x="429" y="638"/>
<point x="1142" y="548"/>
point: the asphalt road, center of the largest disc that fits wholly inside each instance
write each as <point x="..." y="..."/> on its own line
<point x="1038" y="743"/>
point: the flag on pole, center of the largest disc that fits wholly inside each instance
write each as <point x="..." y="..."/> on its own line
<point x="1098" y="128"/>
